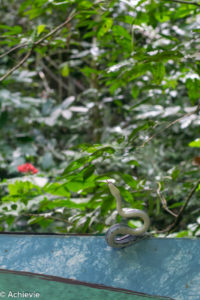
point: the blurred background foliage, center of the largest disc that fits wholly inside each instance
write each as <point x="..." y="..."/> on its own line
<point x="110" y="95"/>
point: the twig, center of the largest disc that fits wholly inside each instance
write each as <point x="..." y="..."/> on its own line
<point x="163" y="201"/>
<point x="60" y="83"/>
<point x="72" y="14"/>
<point x="184" y="2"/>
<point x="13" y="49"/>
<point x="52" y="75"/>
<point x="179" y="216"/>
<point x="45" y="82"/>
<point x="170" y="124"/>
<point x="177" y="220"/>
<point x="76" y="82"/>
<point x="56" y="66"/>
<point x="36" y="44"/>
<point x="17" y="65"/>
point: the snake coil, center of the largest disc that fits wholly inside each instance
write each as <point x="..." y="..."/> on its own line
<point x="119" y="235"/>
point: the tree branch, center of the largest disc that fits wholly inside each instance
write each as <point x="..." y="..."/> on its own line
<point x="179" y="216"/>
<point x="13" y="49"/>
<point x="36" y="44"/>
<point x="184" y="2"/>
<point x="170" y="124"/>
<point x="52" y="75"/>
<point x="17" y="65"/>
<point x="72" y="14"/>
<point x="163" y="201"/>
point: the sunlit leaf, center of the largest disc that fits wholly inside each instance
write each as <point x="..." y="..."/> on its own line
<point x="65" y="70"/>
<point x="105" y="27"/>
<point x="75" y="186"/>
<point x="40" y="28"/>
<point x="195" y="143"/>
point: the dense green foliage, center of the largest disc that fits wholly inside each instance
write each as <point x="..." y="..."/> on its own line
<point x="99" y="98"/>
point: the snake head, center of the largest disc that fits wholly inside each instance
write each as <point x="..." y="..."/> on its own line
<point x="114" y="190"/>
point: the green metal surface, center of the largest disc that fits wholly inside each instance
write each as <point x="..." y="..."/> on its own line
<point x="163" y="267"/>
<point x="23" y="285"/>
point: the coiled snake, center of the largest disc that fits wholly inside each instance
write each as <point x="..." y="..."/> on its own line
<point x="119" y="235"/>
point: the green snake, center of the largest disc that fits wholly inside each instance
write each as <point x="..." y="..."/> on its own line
<point x="119" y="235"/>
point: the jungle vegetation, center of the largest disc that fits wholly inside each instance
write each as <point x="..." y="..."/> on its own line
<point x="93" y="91"/>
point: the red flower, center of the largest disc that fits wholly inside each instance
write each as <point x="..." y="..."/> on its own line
<point x="27" y="168"/>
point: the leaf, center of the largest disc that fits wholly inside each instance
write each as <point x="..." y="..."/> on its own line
<point x="75" y="186"/>
<point x="161" y="17"/>
<point x="134" y="223"/>
<point x="183" y="233"/>
<point x="34" y="12"/>
<point x="77" y="164"/>
<point x="195" y="143"/>
<point x="88" y="172"/>
<point x="10" y="219"/>
<point x="3" y="118"/>
<point x="101" y="151"/>
<point x="175" y="205"/>
<point x="41" y="220"/>
<point x="12" y="30"/>
<point x="20" y="188"/>
<point x="163" y="56"/>
<point x="130" y="181"/>
<point x="49" y="204"/>
<point x="175" y="174"/>
<point x="35" y="220"/>
<point x="40" y="28"/>
<point x="127" y="196"/>
<point x="193" y="87"/>
<point x="24" y="5"/>
<point x="107" y="204"/>
<point x="157" y="206"/>
<point x="57" y="189"/>
<point x="134" y="163"/>
<point x="158" y="72"/>
<point x="89" y="71"/>
<point x="47" y="161"/>
<point x="105" y="27"/>
<point x="84" y="4"/>
<point x="121" y="32"/>
<point x="65" y="70"/>
<point x="138" y="70"/>
<point x="135" y="91"/>
<point x="45" y="222"/>
<point x="145" y="126"/>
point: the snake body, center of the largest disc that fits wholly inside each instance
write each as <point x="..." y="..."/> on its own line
<point x="119" y="235"/>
